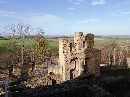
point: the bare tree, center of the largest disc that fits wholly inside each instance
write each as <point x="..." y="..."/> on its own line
<point x="110" y="52"/>
<point x="18" y="33"/>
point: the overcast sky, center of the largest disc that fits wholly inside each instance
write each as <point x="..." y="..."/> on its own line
<point x="65" y="17"/>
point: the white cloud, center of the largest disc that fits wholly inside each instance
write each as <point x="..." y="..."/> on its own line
<point x="87" y="21"/>
<point x="118" y="10"/>
<point x="116" y="6"/>
<point x="76" y="3"/>
<point x="60" y="24"/>
<point x="98" y="2"/>
<point x="70" y="8"/>
<point x="10" y="14"/>
<point x="44" y="18"/>
<point x="80" y="0"/>
<point x="3" y="1"/>
<point x="112" y="13"/>
<point x="31" y="17"/>
<point x="69" y="13"/>
<point x="126" y="2"/>
<point x="115" y="12"/>
<point x="125" y="13"/>
<point x="70" y="0"/>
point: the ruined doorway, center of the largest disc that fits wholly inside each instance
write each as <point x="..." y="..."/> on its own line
<point x="53" y="81"/>
<point x="33" y="66"/>
<point x="73" y="65"/>
<point x="71" y="74"/>
<point x="86" y="65"/>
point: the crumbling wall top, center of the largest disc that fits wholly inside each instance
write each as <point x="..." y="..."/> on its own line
<point x="63" y="41"/>
<point x="89" y="39"/>
<point x="78" y="33"/>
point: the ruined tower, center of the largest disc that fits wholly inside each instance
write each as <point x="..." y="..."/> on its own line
<point x="64" y="51"/>
<point x="78" y="41"/>
<point x="79" y="57"/>
<point x="92" y="56"/>
<point x="89" y="40"/>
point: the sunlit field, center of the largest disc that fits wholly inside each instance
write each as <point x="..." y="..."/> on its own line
<point x="53" y="43"/>
<point x="3" y="45"/>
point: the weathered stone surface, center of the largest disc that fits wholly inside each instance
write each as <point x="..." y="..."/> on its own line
<point x="79" y="56"/>
<point x="75" y="58"/>
<point x="1" y="91"/>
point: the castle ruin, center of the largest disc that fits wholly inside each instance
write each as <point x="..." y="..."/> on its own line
<point x="76" y="58"/>
<point x="79" y="58"/>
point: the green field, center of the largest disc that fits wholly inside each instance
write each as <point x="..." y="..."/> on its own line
<point x="3" y="45"/>
<point x="53" y="43"/>
<point x="54" y="47"/>
<point x="103" y="40"/>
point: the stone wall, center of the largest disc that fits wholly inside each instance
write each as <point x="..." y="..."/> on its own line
<point x="1" y="91"/>
<point x="75" y="58"/>
<point x="54" y="70"/>
<point x="47" y="79"/>
<point x="81" y="53"/>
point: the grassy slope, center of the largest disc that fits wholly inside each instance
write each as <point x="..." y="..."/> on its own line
<point x="125" y="72"/>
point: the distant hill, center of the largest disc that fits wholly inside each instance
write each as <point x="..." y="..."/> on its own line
<point x="1" y="37"/>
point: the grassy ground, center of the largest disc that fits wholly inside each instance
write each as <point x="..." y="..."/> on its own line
<point x="3" y="45"/>
<point x="124" y="72"/>
<point x="54" y="47"/>
<point x="102" y="40"/>
<point x="52" y="44"/>
<point x="4" y="42"/>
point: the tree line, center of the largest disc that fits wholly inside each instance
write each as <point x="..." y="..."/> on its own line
<point x="114" y="53"/>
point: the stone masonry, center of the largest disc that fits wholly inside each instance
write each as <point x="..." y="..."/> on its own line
<point x="75" y="58"/>
<point x="79" y="57"/>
